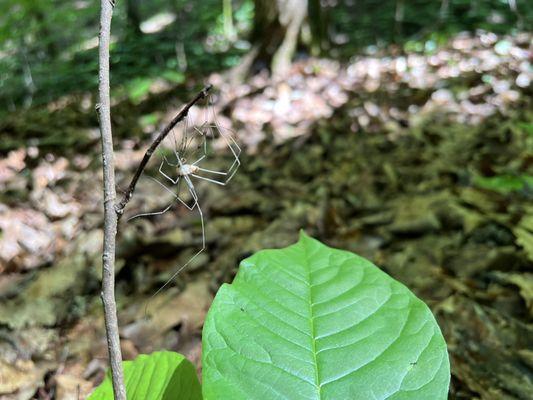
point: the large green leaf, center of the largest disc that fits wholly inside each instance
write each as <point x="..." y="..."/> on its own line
<point x="161" y="375"/>
<point x="312" y="322"/>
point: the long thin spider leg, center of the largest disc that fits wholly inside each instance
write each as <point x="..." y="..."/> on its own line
<point x="162" y="211"/>
<point x="152" y="213"/>
<point x="235" y="151"/>
<point x="211" y="171"/>
<point x="184" y="135"/>
<point x="200" y="159"/>
<point x="178" y="188"/>
<point x="189" y="207"/>
<point x="228" y="139"/>
<point x="204" y="139"/>
<point x="236" y="163"/>
<point x="168" y="162"/>
<point x="232" y="145"/>
<point x="176" y="153"/>
<point x="205" y="143"/>
<point x="164" y="159"/>
<point x="175" y="150"/>
<point x="175" y="274"/>
<point x="164" y="187"/>
<point x="188" y="151"/>
<point x="193" y="194"/>
<point x="216" y="125"/>
<point x="209" y="180"/>
<point x="231" y="142"/>
<point x="177" y="197"/>
<point x="213" y="124"/>
<point x="179" y="150"/>
<point x="235" y="166"/>
<point x="174" y="181"/>
<point x="191" y="188"/>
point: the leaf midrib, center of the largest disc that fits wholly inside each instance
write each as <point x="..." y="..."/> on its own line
<point x="312" y="321"/>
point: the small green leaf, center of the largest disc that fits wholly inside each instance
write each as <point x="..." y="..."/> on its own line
<point x="138" y="88"/>
<point x="161" y="375"/>
<point x="504" y="183"/>
<point x="148" y="119"/>
<point x="174" y="76"/>
<point x="312" y="322"/>
<point x="527" y="127"/>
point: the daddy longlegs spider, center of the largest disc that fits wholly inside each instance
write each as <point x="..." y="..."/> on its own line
<point x="187" y="171"/>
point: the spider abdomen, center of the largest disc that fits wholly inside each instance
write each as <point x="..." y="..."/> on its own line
<point x="187" y="169"/>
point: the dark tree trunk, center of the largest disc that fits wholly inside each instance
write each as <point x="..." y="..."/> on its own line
<point x="279" y="27"/>
<point x="318" y="27"/>
<point x="133" y="14"/>
<point x="52" y="48"/>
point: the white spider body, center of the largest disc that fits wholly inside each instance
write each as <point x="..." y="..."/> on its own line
<point x="187" y="172"/>
<point x="187" y="169"/>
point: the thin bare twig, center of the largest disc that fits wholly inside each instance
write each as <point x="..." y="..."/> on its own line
<point x="119" y="208"/>
<point x="110" y="216"/>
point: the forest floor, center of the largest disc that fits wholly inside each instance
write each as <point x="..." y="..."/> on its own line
<point x="422" y="163"/>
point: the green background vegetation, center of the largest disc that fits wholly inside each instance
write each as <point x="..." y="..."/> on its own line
<point x="44" y="44"/>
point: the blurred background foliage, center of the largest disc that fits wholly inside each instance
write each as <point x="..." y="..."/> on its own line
<point x="48" y="48"/>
